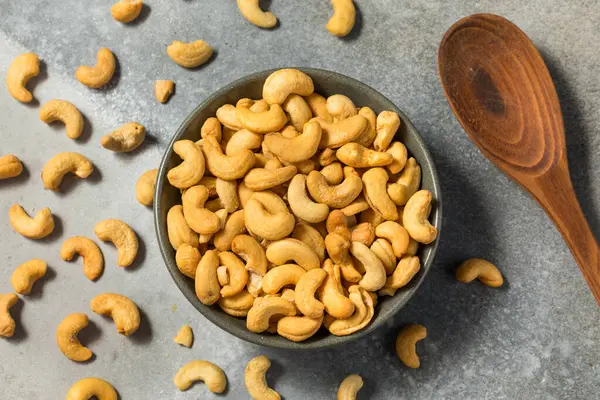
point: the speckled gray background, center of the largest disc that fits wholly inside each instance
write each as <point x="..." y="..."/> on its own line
<point x="536" y="338"/>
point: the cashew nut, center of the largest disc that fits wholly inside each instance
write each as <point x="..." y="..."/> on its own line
<point x="21" y="70"/>
<point x="358" y="156"/>
<point x="250" y="9"/>
<point x="302" y="206"/>
<point x="375" y="276"/>
<point x="406" y="269"/>
<point x="344" y="16"/>
<point x="256" y="379"/>
<point x="34" y="228"/>
<point x="87" y="388"/>
<point x="333" y="173"/>
<point x="369" y="215"/>
<point x="335" y="196"/>
<point x="66" y="337"/>
<point x="415" y="217"/>
<point x="184" y="336"/>
<point x="67" y="113"/>
<point x="298" y="148"/>
<point x="375" y="180"/>
<point x="349" y="387"/>
<point x="10" y="167"/>
<point x="341" y="132"/>
<point x="413" y="247"/>
<point x="120" y="308"/>
<point x="122" y="236"/>
<point x="358" y="205"/>
<point x="178" y="230"/>
<point x="191" y="170"/>
<point x="224" y="166"/>
<point x="367" y="136"/>
<point x="238" y="276"/>
<point x="144" y="188"/>
<point x="298" y="110"/>
<point x="305" y="293"/>
<point x="311" y="237"/>
<point x="363" y="313"/>
<point x="227" y="115"/>
<point x="207" y="284"/>
<point x="338" y="246"/>
<point x="247" y="248"/>
<point x="125" y="139"/>
<point x="58" y="166"/>
<point x="293" y="249"/>
<point x="396" y="235"/>
<point x="189" y="55"/>
<point x="126" y="10"/>
<point x="477" y="268"/>
<point x="331" y="294"/>
<point x="93" y="261"/>
<point x="340" y="107"/>
<point x="281" y="83"/>
<point x="298" y="328"/>
<point x="400" y="156"/>
<point x="363" y="233"/>
<point x="388" y="123"/>
<point x="163" y="89"/>
<point x="407" y="184"/>
<point x="26" y="274"/>
<point x="242" y="140"/>
<point x="385" y="252"/>
<point x="259" y="179"/>
<point x="187" y="258"/>
<point x="271" y="120"/>
<point x="318" y="106"/>
<point x="222" y="215"/>
<point x="237" y="305"/>
<point x="7" y="324"/>
<point x="200" y="370"/>
<point x="212" y="127"/>
<point x="196" y="216"/>
<point x="267" y="216"/>
<point x="406" y="344"/>
<point x="99" y="75"/>
<point x="235" y="225"/>
<point x="327" y="156"/>
<point x="280" y="276"/>
<point x="222" y="275"/>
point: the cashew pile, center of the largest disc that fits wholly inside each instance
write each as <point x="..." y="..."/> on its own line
<point x="302" y="214"/>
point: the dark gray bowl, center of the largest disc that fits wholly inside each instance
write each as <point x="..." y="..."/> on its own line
<point x="326" y="83"/>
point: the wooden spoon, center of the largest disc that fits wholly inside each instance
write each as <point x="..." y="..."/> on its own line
<point x="502" y="94"/>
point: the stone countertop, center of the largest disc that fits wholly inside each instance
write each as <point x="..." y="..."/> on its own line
<point x="535" y="338"/>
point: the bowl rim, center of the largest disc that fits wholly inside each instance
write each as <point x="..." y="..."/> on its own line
<point x="206" y="311"/>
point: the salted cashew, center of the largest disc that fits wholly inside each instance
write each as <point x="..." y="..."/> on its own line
<point x="339" y="133"/>
<point x="66" y="337"/>
<point x="247" y="248"/>
<point x="163" y="89"/>
<point x="357" y="206"/>
<point x="224" y="166"/>
<point x="298" y="328"/>
<point x="358" y="156"/>
<point x="375" y="180"/>
<point x="238" y="276"/>
<point x="400" y="156"/>
<point x="363" y="233"/>
<point x="126" y="10"/>
<point x="288" y="249"/>
<point x="191" y="170"/>
<point x="7" y="324"/>
<point x="21" y="70"/>
<point x="363" y="313"/>
<point x="406" y="269"/>
<point x="318" y="106"/>
<point x="126" y="138"/>
<point x="67" y="113"/>
<point x="10" y="166"/>
<point x="344" y="16"/>
<point x="212" y="127"/>
<point x="337" y="243"/>
<point x="256" y="379"/>
<point x="259" y="179"/>
<point x="250" y="10"/>
<point x="337" y="222"/>
<point x="388" y="123"/>
<point x="93" y="261"/>
<point x="33" y="228"/>
<point x="331" y="294"/>
<point x="396" y="235"/>
<point x="122" y="236"/>
<point x="120" y="308"/>
<point x="406" y="344"/>
<point x="144" y="187"/>
<point x="196" y="216"/>
<point x="305" y="293"/>
<point x="178" y="230"/>
<point x="222" y="275"/>
<point x="335" y="196"/>
<point x="281" y="83"/>
<point x="234" y="225"/>
<point x="298" y="110"/>
<point x="99" y="75"/>
<point x="26" y="274"/>
<point x="185" y="336"/>
<point x="87" y="388"/>
<point x="385" y="252"/>
<point x="413" y="247"/>
<point x="264" y="308"/>
<point x="340" y="107"/>
<point x="375" y="276"/>
<point x="267" y="216"/>
<point x="242" y="140"/>
<point x="368" y="135"/>
<point x="311" y="237"/>
<point x="296" y="149"/>
<point x="58" y="166"/>
<point x="477" y="268"/>
<point x="189" y="55"/>
<point x="200" y="370"/>
<point x="349" y="387"/>
<point x="227" y="115"/>
<point x="415" y="216"/>
<point x="237" y="305"/>
<point x="187" y="258"/>
<point x="326" y="157"/>
<point x="282" y="275"/>
<point x="271" y="120"/>
<point x="207" y="284"/>
<point x="333" y="173"/>
<point x="407" y="184"/>
<point x="369" y="215"/>
<point x="302" y="205"/>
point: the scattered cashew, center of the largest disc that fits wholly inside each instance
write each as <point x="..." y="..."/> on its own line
<point x="271" y="120"/>
<point x="163" y="89"/>
<point x="189" y="55"/>
<point x="400" y="156"/>
<point x="281" y="83"/>
<point x="20" y="71"/>
<point x="126" y="10"/>
<point x="340" y="107"/>
<point x="375" y="276"/>
<point x="298" y="148"/>
<point x="238" y="276"/>
<point x="341" y="132"/>
<point x="374" y="181"/>
<point x="406" y="344"/>
<point x="256" y="379"/>
<point x="93" y="261"/>
<point x="26" y="274"/>
<point x="292" y="249"/>
<point x="264" y="308"/>
<point x="363" y="313"/>
<point x="67" y="113"/>
<point x="477" y="268"/>
<point x="58" y="166"/>
<point x="200" y="370"/>
<point x="37" y="227"/>
<point x="7" y="324"/>
<point x="385" y="252"/>
<point x="10" y="167"/>
<point x="358" y="156"/>
<point x="120" y="308"/>
<point x="259" y="179"/>
<point x="242" y="140"/>
<point x="344" y="16"/>
<point x="407" y="184"/>
<point x="224" y="166"/>
<point x="99" y="75"/>
<point x="212" y="127"/>
<point x="335" y="196"/>
<point x="388" y="123"/>
<point x="250" y="10"/>
<point x="187" y="258"/>
<point x="178" y="230"/>
<point x="184" y="336"/>
<point x="396" y="235"/>
<point x="191" y="170"/>
<point x="415" y="216"/>
<point x="252" y="252"/>
<point x="144" y="187"/>
<point x="305" y="293"/>
<point x="122" y="236"/>
<point x="126" y="138"/>
<point x="349" y="387"/>
<point x="302" y="206"/>
<point x="87" y="388"/>
<point x="66" y="337"/>
<point x="363" y="233"/>
<point x="234" y="225"/>
<point x="406" y="269"/>
<point x="267" y="216"/>
<point x="367" y="136"/>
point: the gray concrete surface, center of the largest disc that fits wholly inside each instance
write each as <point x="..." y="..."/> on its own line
<point x="536" y="338"/>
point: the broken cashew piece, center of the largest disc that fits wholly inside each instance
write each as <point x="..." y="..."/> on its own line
<point x="126" y="10"/>
<point x="281" y="83"/>
<point x="477" y="268"/>
<point x="7" y="324"/>
<point x="358" y="156"/>
<point x="122" y="236"/>
<point x="144" y="187"/>
<point x="191" y="170"/>
<point x="163" y="89"/>
<point x="302" y="206"/>
<point x="224" y="166"/>
<point x="349" y="387"/>
<point x="344" y="16"/>
<point x="99" y="75"/>
<point x="120" y="308"/>
<point x="10" y="167"/>
<point x="200" y="370"/>
<point x="87" y="388"/>
<point x="178" y="230"/>
<point x="406" y="344"/>
<point x="280" y="276"/>
<point x="27" y="274"/>
<point x="187" y="258"/>
<point x="388" y="123"/>
<point x="33" y="228"/>
<point x="293" y="249"/>
<point x="93" y="261"/>
<point x="21" y="70"/>
<point x="67" y="113"/>
<point x="415" y="216"/>
<point x="407" y="184"/>
<point x="256" y="379"/>
<point x="305" y="293"/>
<point x="126" y="138"/>
<point x="66" y="337"/>
<point x="296" y="149"/>
<point x="58" y="166"/>
<point x="264" y="308"/>
<point x="189" y="55"/>
<point x="184" y="336"/>
<point x="374" y="182"/>
<point x="251" y="11"/>
<point x="207" y="284"/>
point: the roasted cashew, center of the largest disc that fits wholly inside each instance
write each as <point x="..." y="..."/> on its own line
<point x="207" y="285"/>
<point x="363" y="233"/>
<point x="126" y="138"/>
<point x="256" y="379"/>
<point x="187" y="258"/>
<point x="7" y="324"/>
<point x="250" y="10"/>
<point x="341" y="132"/>
<point x="67" y="113"/>
<point x="99" y="75"/>
<point x="293" y="249"/>
<point x="298" y="328"/>
<point x="349" y="387"/>
<point x="385" y="252"/>
<point x="413" y="247"/>
<point x="222" y="275"/>
<point x="407" y="184"/>
<point x="264" y="308"/>
<point x="374" y="183"/>
<point x="33" y="228"/>
<point x="400" y="156"/>
<point x="340" y="107"/>
<point x="126" y="10"/>
<point x="87" y="388"/>
<point x="281" y="83"/>
<point x="200" y="370"/>
<point x="227" y="115"/>
<point x="185" y="336"/>
<point x="93" y="261"/>
<point x="406" y="269"/>
<point x="388" y="123"/>
<point x="247" y="248"/>
<point x="338" y="249"/>
<point x="268" y="217"/>
<point x="318" y="106"/>
<point x="311" y="237"/>
<point x="344" y="16"/>
<point x="122" y="236"/>
<point x="298" y="110"/>
<point x="327" y="156"/>
<point x="337" y="222"/>
<point x="189" y="55"/>
<point x="396" y="235"/>
<point x="259" y="179"/>
<point x="374" y="277"/>
<point x="237" y="305"/>
<point x="66" y="337"/>
<point x="406" y="344"/>
<point x="163" y="89"/>
<point x="196" y="216"/>
<point x="191" y="170"/>
<point x="335" y="196"/>
<point x="58" y="166"/>
<point x="358" y="156"/>
<point x="212" y="127"/>
<point x="144" y="187"/>
<point x="234" y="225"/>
<point x="333" y="173"/>
<point x="223" y="166"/>
<point x="26" y="274"/>
<point x="363" y="313"/>
<point x="120" y="308"/>
<point x="271" y="120"/>
<point x="477" y="268"/>
<point x="243" y="140"/>
<point x="238" y="276"/>
<point x="367" y="136"/>
<point x="369" y="215"/>
<point x="21" y="70"/>
<point x="178" y="230"/>
<point x="358" y="205"/>
<point x="305" y="293"/>
<point x="10" y="167"/>
<point x="296" y="149"/>
<point x="280" y="276"/>
<point x="415" y="216"/>
<point x="331" y="295"/>
<point x="302" y="206"/>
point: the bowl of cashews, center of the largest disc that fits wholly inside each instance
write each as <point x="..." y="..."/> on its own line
<point x="297" y="208"/>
